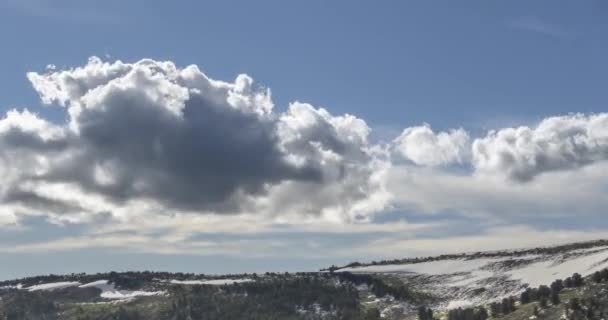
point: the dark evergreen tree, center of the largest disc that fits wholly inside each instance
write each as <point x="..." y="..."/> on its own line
<point x="508" y="305"/>
<point x="574" y="304"/>
<point x="543" y="292"/>
<point x="524" y="297"/>
<point x="577" y="280"/>
<point x="554" y="297"/>
<point x="604" y="274"/>
<point x="483" y="313"/>
<point x="557" y="285"/>
<point x="597" y="277"/>
<point x="425" y="313"/>
<point x="495" y="309"/>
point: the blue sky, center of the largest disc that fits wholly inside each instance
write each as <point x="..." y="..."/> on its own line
<point x="464" y="69"/>
<point x="394" y="63"/>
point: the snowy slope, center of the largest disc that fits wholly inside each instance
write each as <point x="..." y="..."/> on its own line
<point x="52" y="286"/>
<point x="108" y="290"/>
<point x="471" y="279"/>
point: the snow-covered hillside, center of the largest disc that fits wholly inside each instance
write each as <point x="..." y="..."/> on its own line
<point x="473" y="279"/>
<point x="108" y="290"/>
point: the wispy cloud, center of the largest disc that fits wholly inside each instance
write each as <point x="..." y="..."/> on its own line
<point x="540" y="26"/>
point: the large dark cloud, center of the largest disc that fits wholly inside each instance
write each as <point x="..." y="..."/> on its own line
<point x="150" y="131"/>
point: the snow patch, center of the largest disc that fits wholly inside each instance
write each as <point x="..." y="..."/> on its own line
<point x="545" y="272"/>
<point x="18" y="286"/>
<point x="109" y="291"/>
<point x="215" y="282"/>
<point x="52" y="286"/>
<point x="459" y="304"/>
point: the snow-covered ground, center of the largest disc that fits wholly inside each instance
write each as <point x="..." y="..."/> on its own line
<point x="215" y="282"/>
<point x="108" y="291"/>
<point x="472" y="279"/>
<point x="52" y="286"/>
<point x="545" y="272"/>
<point x="18" y="286"/>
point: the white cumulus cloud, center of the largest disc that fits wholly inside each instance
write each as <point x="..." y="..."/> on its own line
<point x="557" y="143"/>
<point x="424" y="147"/>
